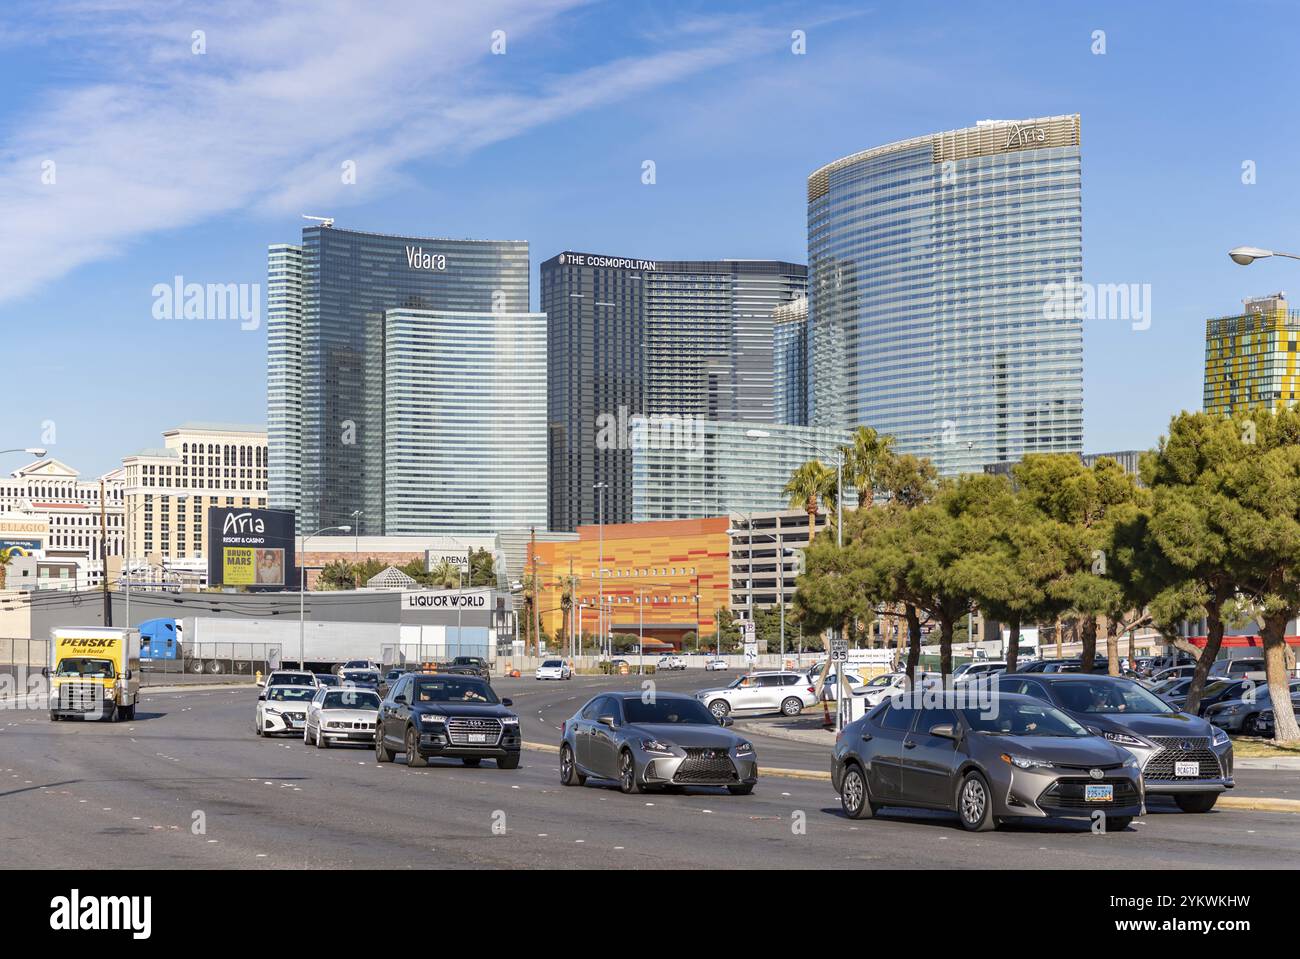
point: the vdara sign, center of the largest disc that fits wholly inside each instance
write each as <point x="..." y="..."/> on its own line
<point x="417" y="259"/>
<point x="608" y="262"/>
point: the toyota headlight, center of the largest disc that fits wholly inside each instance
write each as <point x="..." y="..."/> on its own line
<point x="1131" y="763"/>
<point x="655" y="746"/>
<point x="1220" y="737"/>
<point x="1124" y="739"/>
<point x="1025" y="762"/>
<point x="1233" y="710"/>
<point x="273" y="711"/>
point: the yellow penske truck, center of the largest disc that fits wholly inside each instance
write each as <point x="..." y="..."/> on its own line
<point x="94" y="673"/>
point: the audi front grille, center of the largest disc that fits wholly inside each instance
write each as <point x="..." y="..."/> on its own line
<point x="459" y="729"/>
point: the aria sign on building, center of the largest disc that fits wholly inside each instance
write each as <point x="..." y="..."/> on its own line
<point x="417" y="259"/>
<point x="1019" y="136"/>
<point x="252" y="548"/>
<point x="608" y="262"/>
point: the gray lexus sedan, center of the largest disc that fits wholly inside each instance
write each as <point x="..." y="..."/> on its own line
<point x="1010" y="757"/>
<point x="1181" y="755"/>
<point x="672" y="740"/>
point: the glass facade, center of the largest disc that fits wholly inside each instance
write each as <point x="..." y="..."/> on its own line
<point x="716" y="467"/>
<point x="350" y="280"/>
<point x="284" y="373"/>
<point x="1250" y="359"/>
<point x="464" y="422"/>
<point x="932" y="266"/>
<point x="672" y="338"/>
<point x="790" y="362"/>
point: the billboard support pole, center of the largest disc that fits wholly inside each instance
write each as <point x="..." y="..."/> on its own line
<point x="103" y="555"/>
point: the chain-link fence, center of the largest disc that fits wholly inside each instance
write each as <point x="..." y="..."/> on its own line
<point x="21" y="662"/>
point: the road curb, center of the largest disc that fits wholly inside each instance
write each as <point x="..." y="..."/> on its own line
<point x="808" y="774"/>
<point x="1260" y="804"/>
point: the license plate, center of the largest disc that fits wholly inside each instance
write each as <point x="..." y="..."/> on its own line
<point x="1187" y="769"/>
<point x="476" y="738"/>
<point x="1098" y="793"/>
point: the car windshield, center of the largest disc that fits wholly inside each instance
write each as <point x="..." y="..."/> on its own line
<point x="292" y="679"/>
<point x="1023" y="719"/>
<point x="450" y="688"/>
<point x="89" y="668"/>
<point x="351" y="699"/>
<point x="885" y="680"/>
<point x="668" y="711"/>
<point x="1099" y="696"/>
<point x="325" y="679"/>
<point x="553" y="664"/>
<point x="291" y="694"/>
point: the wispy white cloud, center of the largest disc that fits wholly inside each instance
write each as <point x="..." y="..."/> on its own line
<point x="162" y="138"/>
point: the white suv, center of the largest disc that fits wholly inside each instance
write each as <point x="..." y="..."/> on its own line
<point x="670" y="662"/>
<point x="782" y="692"/>
<point x="554" y="669"/>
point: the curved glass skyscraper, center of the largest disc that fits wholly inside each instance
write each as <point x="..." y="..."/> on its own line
<point x="935" y="270"/>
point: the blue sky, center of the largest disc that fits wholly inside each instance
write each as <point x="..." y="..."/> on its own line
<point x="167" y="162"/>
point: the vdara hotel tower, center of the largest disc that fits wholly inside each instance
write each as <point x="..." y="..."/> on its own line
<point x="688" y="339"/>
<point x="935" y="269"/>
<point x="335" y="389"/>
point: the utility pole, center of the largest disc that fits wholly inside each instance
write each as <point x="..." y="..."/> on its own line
<point x="537" y="607"/>
<point x="103" y="555"/>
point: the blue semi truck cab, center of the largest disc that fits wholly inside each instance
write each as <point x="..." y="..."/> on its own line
<point x="160" y="639"/>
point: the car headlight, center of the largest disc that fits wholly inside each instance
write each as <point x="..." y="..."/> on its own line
<point x="432" y="719"/>
<point x="273" y="711"/>
<point x="1025" y="762"/>
<point x="745" y="749"/>
<point x="655" y="746"/>
<point x="1124" y="739"/>
<point x="1131" y="763"/>
<point x="1232" y="710"/>
<point x="510" y="721"/>
<point x="1220" y="737"/>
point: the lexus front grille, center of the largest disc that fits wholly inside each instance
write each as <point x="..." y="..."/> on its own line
<point x="1181" y="749"/>
<point x="704" y="766"/>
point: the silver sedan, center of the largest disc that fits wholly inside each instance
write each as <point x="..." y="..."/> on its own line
<point x="671" y="740"/>
<point x="344" y="715"/>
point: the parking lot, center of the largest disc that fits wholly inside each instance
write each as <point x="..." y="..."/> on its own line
<point x="187" y="784"/>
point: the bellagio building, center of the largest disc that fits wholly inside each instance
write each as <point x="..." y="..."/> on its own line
<point x="933" y="267"/>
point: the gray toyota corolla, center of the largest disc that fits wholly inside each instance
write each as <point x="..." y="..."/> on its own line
<point x="1009" y="757"/>
<point x="672" y="740"/>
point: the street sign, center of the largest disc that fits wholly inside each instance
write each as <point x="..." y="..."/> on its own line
<point x="751" y="651"/>
<point x="839" y="650"/>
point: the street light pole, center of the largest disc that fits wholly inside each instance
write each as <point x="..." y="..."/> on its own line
<point x="302" y="591"/>
<point x="600" y="571"/>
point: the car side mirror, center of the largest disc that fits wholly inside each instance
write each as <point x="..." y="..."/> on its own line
<point x="726" y="721"/>
<point x="127" y="675"/>
<point x="261" y="698"/>
<point x="606" y="721"/>
<point x="944" y="731"/>
<point x="400" y="698"/>
<point x="507" y="702"/>
<point x="45" y="671"/>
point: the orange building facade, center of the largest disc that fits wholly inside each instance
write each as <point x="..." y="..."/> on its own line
<point x="676" y="571"/>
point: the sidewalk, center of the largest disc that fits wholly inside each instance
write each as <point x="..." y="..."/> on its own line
<point x="807" y="728"/>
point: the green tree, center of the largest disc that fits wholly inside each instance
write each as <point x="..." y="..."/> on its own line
<point x="482" y="568"/>
<point x="336" y="575"/>
<point x="810" y="487"/>
<point x="445" y="575"/>
<point x="865" y="462"/>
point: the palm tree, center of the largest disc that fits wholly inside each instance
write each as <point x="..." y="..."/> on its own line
<point x="5" y="556"/>
<point x="865" y="461"/>
<point x="445" y="575"/>
<point x="482" y="569"/>
<point x="811" y="485"/>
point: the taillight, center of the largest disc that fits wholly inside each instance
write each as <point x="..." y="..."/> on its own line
<point x="812" y="689"/>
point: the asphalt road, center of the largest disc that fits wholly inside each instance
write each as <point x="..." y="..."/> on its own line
<point x="130" y="794"/>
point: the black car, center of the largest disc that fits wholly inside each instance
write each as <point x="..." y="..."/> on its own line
<point x="1215" y="692"/>
<point x="475" y="664"/>
<point x="1062" y="666"/>
<point x="449" y="715"/>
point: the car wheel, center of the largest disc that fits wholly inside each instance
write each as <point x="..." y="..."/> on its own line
<point x="508" y="762"/>
<point x="322" y="741"/>
<point x="413" y="757"/>
<point x="720" y="708"/>
<point x="257" y="727"/>
<point x="975" y="804"/>
<point x="1117" y="823"/>
<point x="1252" y="727"/>
<point x="855" y="799"/>
<point x="744" y="789"/>
<point x="569" y="774"/>
<point x="306" y="736"/>
<point x="54" y="717"/>
<point x="471" y="760"/>
<point x="792" y="706"/>
<point x="627" y="777"/>
<point x="382" y="753"/>
<point x="1196" y="802"/>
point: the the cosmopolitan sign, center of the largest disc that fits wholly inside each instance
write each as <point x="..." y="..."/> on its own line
<point x="608" y="262"/>
<point x="417" y="259"/>
<point x="446" y="599"/>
